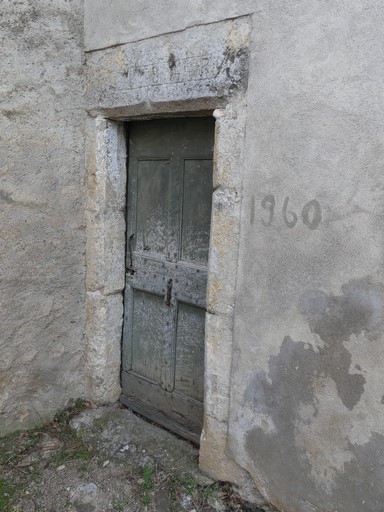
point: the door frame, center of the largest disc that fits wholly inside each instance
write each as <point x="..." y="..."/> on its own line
<point x="105" y="258"/>
<point x="201" y="69"/>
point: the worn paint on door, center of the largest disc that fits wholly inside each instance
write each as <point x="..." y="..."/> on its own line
<point x="168" y="224"/>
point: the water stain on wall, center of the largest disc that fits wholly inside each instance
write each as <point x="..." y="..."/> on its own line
<point x="292" y="381"/>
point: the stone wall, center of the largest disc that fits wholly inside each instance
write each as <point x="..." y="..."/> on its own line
<point x="42" y="209"/>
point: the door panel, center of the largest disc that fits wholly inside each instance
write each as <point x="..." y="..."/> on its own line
<point x="189" y="351"/>
<point x="196" y="213"/>
<point x="168" y="223"/>
<point x="148" y="348"/>
<point x="153" y="197"/>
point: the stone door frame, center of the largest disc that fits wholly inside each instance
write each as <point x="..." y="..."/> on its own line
<point x="105" y="251"/>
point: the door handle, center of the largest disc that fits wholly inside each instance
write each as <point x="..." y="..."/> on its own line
<point x="168" y="293"/>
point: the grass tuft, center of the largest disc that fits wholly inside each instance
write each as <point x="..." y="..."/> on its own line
<point x="6" y="493"/>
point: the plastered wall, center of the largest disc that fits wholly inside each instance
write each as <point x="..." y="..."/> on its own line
<point x="42" y="236"/>
<point x="294" y="386"/>
<point x="306" y="414"/>
<point x="305" y="410"/>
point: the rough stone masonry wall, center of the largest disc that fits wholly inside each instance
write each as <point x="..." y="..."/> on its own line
<point x="42" y="238"/>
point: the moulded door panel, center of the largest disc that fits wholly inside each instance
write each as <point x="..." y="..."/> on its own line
<point x="196" y="212"/>
<point x="153" y="197"/>
<point x="190" y="351"/>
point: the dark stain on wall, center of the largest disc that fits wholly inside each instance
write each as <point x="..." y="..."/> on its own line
<point x="6" y="197"/>
<point x="336" y="318"/>
<point x="234" y="63"/>
<point x="291" y="382"/>
<point x="171" y="61"/>
<point x="362" y="479"/>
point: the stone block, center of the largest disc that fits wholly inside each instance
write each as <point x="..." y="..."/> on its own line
<point x="229" y="145"/>
<point x="105" y="251"/>
<point x="179" y="68"/>
<point x="223" y="251"/>
<point x="106" y="164"/>
<point x="103" y="346"/>
<point x="218" y="356"/>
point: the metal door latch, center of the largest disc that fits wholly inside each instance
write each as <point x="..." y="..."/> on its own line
<point x="168" y="293"/>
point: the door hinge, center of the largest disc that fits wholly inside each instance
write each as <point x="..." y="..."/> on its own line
<point x="168" y="293"/>
<point x="130" y="268"/>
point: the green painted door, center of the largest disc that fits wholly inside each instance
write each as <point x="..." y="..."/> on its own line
<point x="168" y="224"/>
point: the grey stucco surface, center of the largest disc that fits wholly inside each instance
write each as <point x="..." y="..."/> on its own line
<point x="306" y="386"/>
<point x="118" y="21"/>
<point x="306" y="414"/>
<point x="42" y="209"/>
<point x="302" y="409"/>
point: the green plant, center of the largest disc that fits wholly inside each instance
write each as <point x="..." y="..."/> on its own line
<point x="173" y="486"/>
<point x="118" y="503"/>
<point x="146" y="483"/>
<point x="16" y="445"/>
<point x="6" y="493"/>
<point x="72" y="451"/>
<point x="146" y="499"/>
<point x="83" y="466"/>
<point x="208" y="491"/>
<point x="190" y="484"/>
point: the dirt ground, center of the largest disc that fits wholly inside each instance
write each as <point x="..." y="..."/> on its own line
<point x="106" y="459"/>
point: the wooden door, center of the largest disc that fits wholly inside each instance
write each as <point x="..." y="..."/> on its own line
<point x="168" y="224"/>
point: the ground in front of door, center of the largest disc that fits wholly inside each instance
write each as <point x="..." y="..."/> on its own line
<point x="106" y="459"/>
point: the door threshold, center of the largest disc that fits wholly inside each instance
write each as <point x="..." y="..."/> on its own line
<point x="160" y="418"/>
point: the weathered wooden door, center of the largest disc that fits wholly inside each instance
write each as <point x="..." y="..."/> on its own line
<point x="168" y="224"/>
